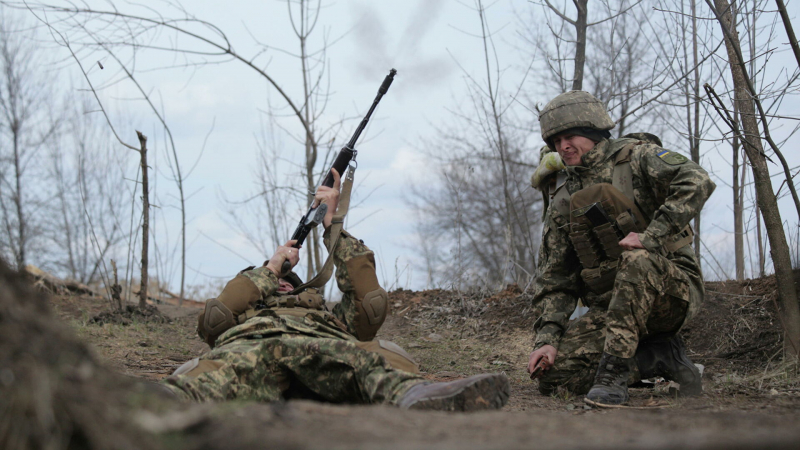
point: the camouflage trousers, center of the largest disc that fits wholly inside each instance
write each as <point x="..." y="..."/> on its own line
<point x="291" y="366"/>
<point x="651" y="297"/>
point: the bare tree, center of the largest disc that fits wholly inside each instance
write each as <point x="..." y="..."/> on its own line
<point x="89" y="197"/>
<point x="747" y="99"/>
<point x="61" y="39"/>
<point x="691" y="42"/>
<point x="197" y="43"/>
<point x="787" y="24"/>
<point x="577" y="37"/>
<point x="145" y="218"/>
<point x="484" y="209"/>
<point x="27" y="124"/>
<point x="311" y="54"/>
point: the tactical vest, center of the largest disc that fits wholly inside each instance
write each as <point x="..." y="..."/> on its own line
<point x="309" y="299"/>
<point x="241" y="300"/>
<point x="601" y="215"/>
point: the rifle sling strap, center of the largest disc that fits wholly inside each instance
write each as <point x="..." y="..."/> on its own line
<point x="321" y="278"/>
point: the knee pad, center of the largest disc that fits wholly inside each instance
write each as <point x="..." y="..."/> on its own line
<point x="371" y="301"/>
<point x="371" y="312"/>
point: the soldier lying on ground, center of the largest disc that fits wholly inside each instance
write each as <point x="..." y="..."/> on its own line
<point x="268" y="344"/>
<point x="617" y="236"/>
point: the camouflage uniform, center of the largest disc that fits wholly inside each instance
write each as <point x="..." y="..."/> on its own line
<point x="289" y="351"/>
<point x="655" y="291"/>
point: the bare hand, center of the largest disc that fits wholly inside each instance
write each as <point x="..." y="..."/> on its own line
<point x="631" y="242"/>
<point x="541" y="360"/>
<point x="284" y="253"/>
<point x="329" y="196"/>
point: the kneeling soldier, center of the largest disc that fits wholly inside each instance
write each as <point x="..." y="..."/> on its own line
<point x="617" y="236"/>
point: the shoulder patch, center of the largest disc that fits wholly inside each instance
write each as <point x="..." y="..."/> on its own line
<point x="672" y="158"/>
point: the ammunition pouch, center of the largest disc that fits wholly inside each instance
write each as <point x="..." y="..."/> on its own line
<point x="309" y="299"/>
<point x="587" y="248"/>
<point x="601" y="279"/>
<point x="609" y="240"/>
<point x="597" y="244"/>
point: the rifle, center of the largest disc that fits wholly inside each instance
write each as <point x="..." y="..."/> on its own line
<point x="348" y="153"/>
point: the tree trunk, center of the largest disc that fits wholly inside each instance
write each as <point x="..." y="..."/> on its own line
<point x="580" y="43"/>
<point x="738" y="219"/>
<point x="21" y="225"/>
<point x="145" y="219"/>
<point x="694" y="122"/>
<point x="787" y="24"/>
<point x="767" y="203"/>
<point x="313" y="247"/>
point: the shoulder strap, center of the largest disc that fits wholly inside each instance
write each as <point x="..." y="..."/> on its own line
<point x="560" y="196"/>
<point x="337" y="224"/>
<point x="622" y="178"/>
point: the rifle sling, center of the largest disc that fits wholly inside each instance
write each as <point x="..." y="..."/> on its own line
<point x="321" y="278"/>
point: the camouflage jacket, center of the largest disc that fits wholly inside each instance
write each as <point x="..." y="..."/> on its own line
<point x="337" y="323"/>
<point x="668" y="188"/>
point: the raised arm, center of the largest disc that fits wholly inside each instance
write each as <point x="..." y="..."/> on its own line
<point x="364" y="303"/>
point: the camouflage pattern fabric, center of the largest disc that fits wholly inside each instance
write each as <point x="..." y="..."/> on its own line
<point x="668" y="189"/>
<point x="578" y="354"/>
<point x="573" y="109"/>
<point x="286" y="352"/>
<point x="293" y="366"/>
<point x="650" y="297"/>
<point x="347" y="249"/>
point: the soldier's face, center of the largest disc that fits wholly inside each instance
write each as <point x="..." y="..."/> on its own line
<point x="571" y="147"/>
<point x="284" y="286"/>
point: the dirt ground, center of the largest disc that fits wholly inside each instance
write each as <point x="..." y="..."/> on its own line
<point x="751" y="399"/>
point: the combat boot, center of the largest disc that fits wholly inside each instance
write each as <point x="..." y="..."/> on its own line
<point x="485" y="391"/>
<point x="667" y="358"/>
<point x="611" y="382"/>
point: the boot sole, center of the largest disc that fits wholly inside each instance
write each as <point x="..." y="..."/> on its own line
<point x="623" y="406"/>
<point x="688" y="376"/>
<point x="602" y="404"/>
<point x="692" y="389"/>
<point x="489" y="391"/>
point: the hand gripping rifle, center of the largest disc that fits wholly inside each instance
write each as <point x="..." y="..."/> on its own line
<point x="348" y="153"/>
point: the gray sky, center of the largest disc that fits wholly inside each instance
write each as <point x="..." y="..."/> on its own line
<point x="422" y="39"/>
<point x="427" y="41"/>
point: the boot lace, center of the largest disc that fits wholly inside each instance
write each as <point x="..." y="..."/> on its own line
<point x="610" y="373"/>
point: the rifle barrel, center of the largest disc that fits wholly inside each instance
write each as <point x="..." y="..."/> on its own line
<point x="340" y="164"/>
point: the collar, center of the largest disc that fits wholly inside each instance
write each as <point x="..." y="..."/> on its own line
<point x="592" y="158"/>
<point x="597" y="155"/>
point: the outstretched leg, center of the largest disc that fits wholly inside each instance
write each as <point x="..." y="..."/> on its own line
<point x="333" y="370"/>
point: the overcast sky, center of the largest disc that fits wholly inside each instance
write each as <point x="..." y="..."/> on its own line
<point x="432" y="45"/>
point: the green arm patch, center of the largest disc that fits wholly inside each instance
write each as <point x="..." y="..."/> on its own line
<point x="672" y="158"/>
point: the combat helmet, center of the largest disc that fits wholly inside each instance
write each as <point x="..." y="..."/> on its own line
<point x="573" y="109"/>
